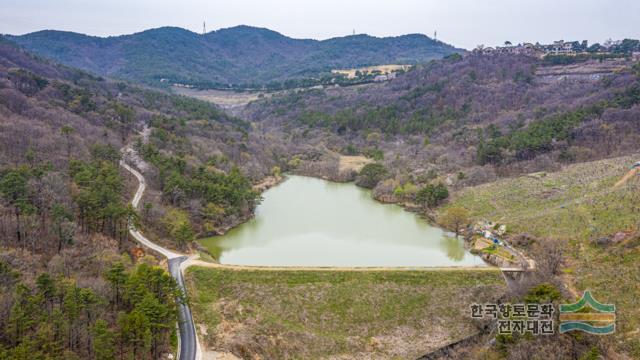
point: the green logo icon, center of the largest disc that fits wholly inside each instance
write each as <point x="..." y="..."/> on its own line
<point x="588" y="315"/>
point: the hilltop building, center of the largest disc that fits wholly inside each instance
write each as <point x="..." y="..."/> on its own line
<point x="559" y="47"/>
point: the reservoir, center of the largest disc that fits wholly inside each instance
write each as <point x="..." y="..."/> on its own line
<point x="311" y="222"/>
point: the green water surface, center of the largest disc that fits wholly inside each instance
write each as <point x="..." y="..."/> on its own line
<point x="311" y="222"/>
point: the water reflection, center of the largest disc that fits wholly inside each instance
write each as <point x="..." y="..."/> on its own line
<point x="455" y="248"/>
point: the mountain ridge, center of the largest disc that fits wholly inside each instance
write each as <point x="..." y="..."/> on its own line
<point x="236" y="55"/>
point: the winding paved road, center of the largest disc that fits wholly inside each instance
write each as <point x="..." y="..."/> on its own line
<point x="189" y="348"/>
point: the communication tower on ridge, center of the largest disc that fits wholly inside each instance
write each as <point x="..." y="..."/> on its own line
<point x="204" y="27"/>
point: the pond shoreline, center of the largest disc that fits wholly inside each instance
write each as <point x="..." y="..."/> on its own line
<point x="391" y="239"/>
<point x="265" y="184"/>
<point x="270" y="181"/>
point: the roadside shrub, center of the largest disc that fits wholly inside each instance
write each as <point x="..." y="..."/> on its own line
<point x="371" y="175"/>
<point x="406" y="191"/>
<point x="350" y="150"/>
<point x="432" y="195"/>
<point x="374" y="153"/>
<point x="178" y="226"/>
<point x="542" y="293"/>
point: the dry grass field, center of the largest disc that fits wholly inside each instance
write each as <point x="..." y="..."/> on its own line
<point x="353" y="163"/>
<point x="384" y="69"/>
<point x="289" y="314"/>
<point x="222" y="98"/>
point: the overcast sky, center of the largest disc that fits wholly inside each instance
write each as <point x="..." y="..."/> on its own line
<point x="464" y="23"/>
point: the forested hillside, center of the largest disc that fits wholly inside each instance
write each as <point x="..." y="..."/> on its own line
<point x="73" y="285"/>
<point x="238" y="55"/>
<point x="468" y="120"/>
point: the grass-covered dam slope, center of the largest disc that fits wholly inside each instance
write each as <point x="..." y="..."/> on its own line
<point x="291" y="314"/>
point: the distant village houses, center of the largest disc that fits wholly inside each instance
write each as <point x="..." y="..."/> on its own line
<point x="628" y="46"/>
<point x="385" y="77"/>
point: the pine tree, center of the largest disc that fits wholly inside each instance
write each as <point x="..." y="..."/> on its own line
<point x="47" y="289"/>
<point x="13" y="187"/>
<point x="135" y="333"/>
<point x="117" y="277"/>
<point x="160" y="319"/>
<point x="103" y="341"/>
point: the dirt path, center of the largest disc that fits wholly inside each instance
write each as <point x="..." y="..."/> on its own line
<point x="626" y="177"/>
